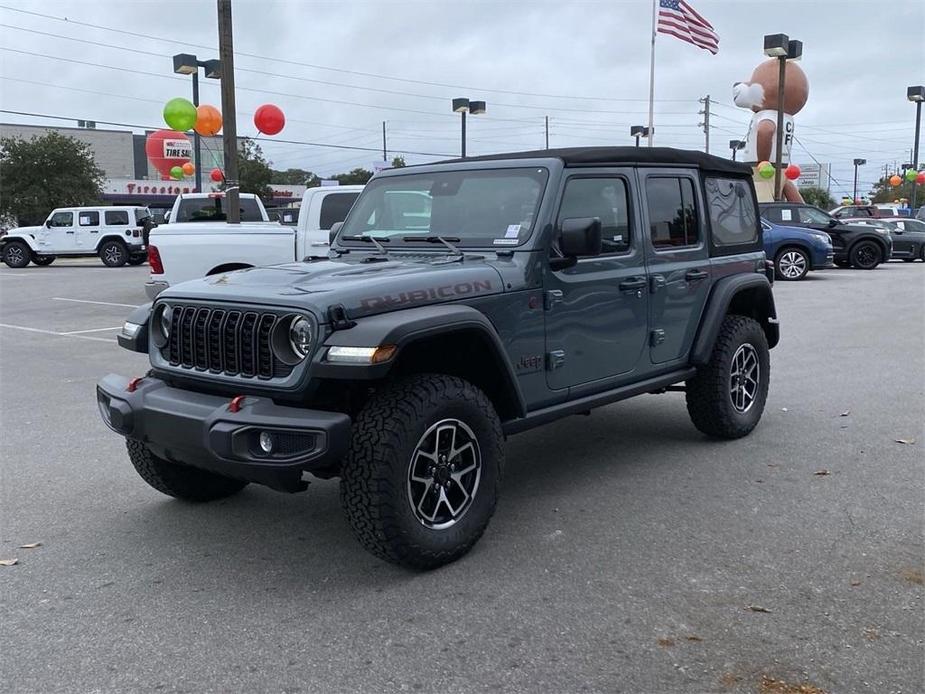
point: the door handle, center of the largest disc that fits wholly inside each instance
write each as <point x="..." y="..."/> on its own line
<point x="68" y="232"/>
<point x="632" y="283"/>
<point x="693" y="275"/>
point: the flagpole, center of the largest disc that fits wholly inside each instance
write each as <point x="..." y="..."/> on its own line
<point x="652" y="79"/>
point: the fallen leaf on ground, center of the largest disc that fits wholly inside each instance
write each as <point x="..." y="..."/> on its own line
<point x="694" y="638"/>
<point x="769" y="685"/>
<point x="8" y="562"/>
<point x="913" y="576"/>
<point x="773" y="465"/>
<point x="845" y="413"/>
<point x="908" y="442"/>
<point x="822" y="472"/>
<point x="31" y="545"/>
<point x="855" y="583"/>
<point x="666" y="643"/>
<point x="871" y="633"/>
<point x="758" y="608"/>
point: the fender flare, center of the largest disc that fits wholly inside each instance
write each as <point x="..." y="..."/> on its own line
<point x="139" y="342"/>
<point x="109" y="237"/>
<point x="721" y="298"/>
<point x="27" y="239"/>
<point x="406" y="327"/>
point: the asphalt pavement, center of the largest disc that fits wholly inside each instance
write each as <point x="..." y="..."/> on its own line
<point x="628" y="552"/>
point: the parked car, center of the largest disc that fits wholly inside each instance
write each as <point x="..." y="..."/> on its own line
<point x="538" y="285"/>
<point x="863" y="211"/>
<point x="855" y="245"/>
<point x="185" y="251"/>
<point x="115" y="234"/>
<point x="908" y="236"/>
<point x="210" y="207"/>
<point x="796" y="250"/>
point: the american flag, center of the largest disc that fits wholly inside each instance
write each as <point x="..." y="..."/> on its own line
<point x="677" y="18"/>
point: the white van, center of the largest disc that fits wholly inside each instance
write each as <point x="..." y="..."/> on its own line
<point x="116" y="234"/>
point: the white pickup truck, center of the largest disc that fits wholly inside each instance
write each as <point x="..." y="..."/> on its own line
<point x="182" y="251"/>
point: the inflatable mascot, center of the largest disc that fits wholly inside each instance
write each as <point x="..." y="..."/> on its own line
<point x="760" y="95"/>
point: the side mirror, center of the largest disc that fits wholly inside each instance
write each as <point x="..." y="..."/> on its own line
<point x="580" y="237"/>
<point x="833" y="223"/>
<point x="335" y="229"/>
<point x="48" y="222"/>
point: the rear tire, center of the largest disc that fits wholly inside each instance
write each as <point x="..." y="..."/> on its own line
<point x="43" y="260"/>
<point x="791" y="264"/>
<point x="113" y="253"/>
<point x="16" y="254"/>
<point x="866" y="255"/>
<point x="727" y="396"/>
<point x="420" y="481"/>
<point x="180" y="481"/>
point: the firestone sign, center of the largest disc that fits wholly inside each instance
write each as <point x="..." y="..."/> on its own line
<point x="141" y="187"/>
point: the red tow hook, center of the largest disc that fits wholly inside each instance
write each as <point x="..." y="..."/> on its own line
<point x="235" y="404"/>
<point x="133" y="384"/>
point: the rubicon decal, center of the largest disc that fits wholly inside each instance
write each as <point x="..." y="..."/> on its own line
<point x="416" y="296"/>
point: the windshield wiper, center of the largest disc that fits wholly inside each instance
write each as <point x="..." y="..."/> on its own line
<point x="370" y="239"/>
<point x="445" y="240"/>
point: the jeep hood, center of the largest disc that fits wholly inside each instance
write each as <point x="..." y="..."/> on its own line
<point x="25" y="231"/>
<point x="364" y="284"/>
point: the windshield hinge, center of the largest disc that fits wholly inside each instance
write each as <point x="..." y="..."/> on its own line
<point x="338" y="318"/>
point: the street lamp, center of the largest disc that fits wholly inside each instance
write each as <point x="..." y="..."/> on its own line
<point x="783" y="48"/>
<point x="639" y="131"/>
<point x="736" y="145"/>
<point x="187" y="64"/>
<point x="857" y="163"/>
<point x="916" y="94"/>
<point x="463" y="106"/>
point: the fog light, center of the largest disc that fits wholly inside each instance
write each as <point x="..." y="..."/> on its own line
<point x="266" y="442"/>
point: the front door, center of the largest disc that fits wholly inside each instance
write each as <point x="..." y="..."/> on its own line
<point x="60" y="236"/>
<point x="596" y="309"/>
<point x="678" y="262"/>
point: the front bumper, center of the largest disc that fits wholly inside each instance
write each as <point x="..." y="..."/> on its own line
<point x="202" y="431"/>
<point x="153" y="288"/>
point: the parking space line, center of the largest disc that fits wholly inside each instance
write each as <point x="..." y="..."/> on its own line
<point x="87" y="301"/>
<point x="92" y="330"/>
<point x="52" y="332"/>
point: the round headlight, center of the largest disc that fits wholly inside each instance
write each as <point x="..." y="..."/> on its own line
<point x="301" y="334"/>
<point x="160" y="324"/>
<point x="166" y="318"/>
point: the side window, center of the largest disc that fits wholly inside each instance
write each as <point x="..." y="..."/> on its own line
<point x="733" y="217"/>
<point x="772" y="214"/>
<point x="810" y="215"/>
<point x="88" y="218"/>
<point x="116" y="218"/>
<point x="672" y="213"/>
<point x="334" y="208"/>
<point x="604" y="198"/>
<point x="62" y="219"/>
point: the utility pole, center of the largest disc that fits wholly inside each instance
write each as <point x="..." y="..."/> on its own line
<point x="229" y="124"/>
<point x="385" y="154"/>
<point x="547" y="132"/>
<point x="706" y="122"/>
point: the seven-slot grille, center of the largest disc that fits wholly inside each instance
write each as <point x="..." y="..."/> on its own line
<point x="230" y="341"/>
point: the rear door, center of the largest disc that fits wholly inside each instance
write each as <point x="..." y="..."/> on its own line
<point x="596" y="310"/>
<point x="677" y="259"/>
<point x="87" y="230"/>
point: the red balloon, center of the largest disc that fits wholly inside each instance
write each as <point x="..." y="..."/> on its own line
<point x="217" y="175"/>
<point x="920" y="178"/>
<point x="792" y="172"/>
<point x="269" y="119"/>
<point x="166" y="149"/>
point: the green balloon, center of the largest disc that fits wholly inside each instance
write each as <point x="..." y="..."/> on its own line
<point x="176" y="172"/>
<point x="911" y="174"/>
<point x="180" y="114"/>
<point x="766" y="170"/>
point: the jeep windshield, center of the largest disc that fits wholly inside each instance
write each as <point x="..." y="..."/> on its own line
<point x="494" y="207"/>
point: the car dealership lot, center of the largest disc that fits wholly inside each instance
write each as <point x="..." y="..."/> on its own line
<point x="628" y="552"/>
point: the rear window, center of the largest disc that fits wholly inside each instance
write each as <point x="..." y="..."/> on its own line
<point x="141" y="214"/>
<point x="733" y="217"/>
<point x="334" y="208"/>
<point x="88" y="219"/>
<point x="116" y="218"/>
<point x="213" y="210"/>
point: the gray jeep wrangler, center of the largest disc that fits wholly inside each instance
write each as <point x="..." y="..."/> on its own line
<point x="459" y="303"/>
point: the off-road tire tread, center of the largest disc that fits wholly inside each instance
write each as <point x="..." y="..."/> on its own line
<point x="43" y="260"/>
<point x="102" y="249"/>
<point x="368" y="495"/>
<point x="27" y="253"/>
<point x="707" y="392"/>
<point x="180" y="481"/>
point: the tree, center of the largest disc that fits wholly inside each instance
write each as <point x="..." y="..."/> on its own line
<point x="398" y="162"/>
<point x="296" y="177"/>
<point x="46" y="172"/>
<point x="358" y="176"/>
<point x="884" y="191"/>
<point x="819" y="197"/>
<point x="254" y="171"/>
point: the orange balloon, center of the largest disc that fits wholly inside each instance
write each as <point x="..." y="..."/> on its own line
<point x="208" y="120"/>
<point x="188" y="168"/>
<point x="895" y="180"/>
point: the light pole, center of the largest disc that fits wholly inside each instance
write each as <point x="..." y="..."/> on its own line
<point x="736" y="145"/>
<point x="783" y="48"/>
<point x="916" y="94"/>
<point x="639" y="131"/>
<point x="186" y="64"/>
<point x="857" y="163"/>
<point x="463" y="106"/>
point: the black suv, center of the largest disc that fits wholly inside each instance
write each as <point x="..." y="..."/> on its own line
<point x="460" y="303"/>
<point x="861" y="246"/>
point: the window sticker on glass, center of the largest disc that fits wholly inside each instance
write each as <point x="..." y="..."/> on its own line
<point x="505" y="242"/>
<point x="84" y="220"/>
<point x="786" y="216"/>
<point x="513" y="231"/>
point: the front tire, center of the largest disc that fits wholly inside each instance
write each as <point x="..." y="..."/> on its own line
<point x="866" y="255"/>
<point x="180" y="481"/>
<point x="113" y="253"/>
<point x="791" y="264"/>
<point x="420" y="481"/>
<point x="727" y="396"/>
<point x="16" y="254"/>
<point x="43" y="260"/>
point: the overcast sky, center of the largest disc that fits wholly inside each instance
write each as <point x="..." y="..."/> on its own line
<point x="584" y="64"/>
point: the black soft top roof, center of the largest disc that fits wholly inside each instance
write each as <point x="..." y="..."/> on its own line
<point x="651" y="156"/>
